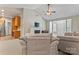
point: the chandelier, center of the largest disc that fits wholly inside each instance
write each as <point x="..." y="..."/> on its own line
<point x="50" y="11"/>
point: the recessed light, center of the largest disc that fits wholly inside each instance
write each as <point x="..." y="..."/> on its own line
<point x="2" y="10"/>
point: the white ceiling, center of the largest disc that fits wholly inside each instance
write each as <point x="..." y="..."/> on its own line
<point x="10" y="12"/>
<point x="15" y="9"/>
<point x="62" y="10"/>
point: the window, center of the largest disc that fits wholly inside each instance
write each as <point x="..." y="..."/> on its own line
<point x="60" y="27"/>
<point x="69" y="25"/>
<point x="50" y="27"/>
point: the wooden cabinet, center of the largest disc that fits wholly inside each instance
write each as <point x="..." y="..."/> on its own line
<point x="16" y="34"/>
<point x="16" y="27"/>
<point x="17" y="21"/>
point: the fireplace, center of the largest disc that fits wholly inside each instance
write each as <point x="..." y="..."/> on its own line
<point x="36" y="31"/>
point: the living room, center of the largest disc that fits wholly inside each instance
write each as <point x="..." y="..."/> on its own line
<point x="39" y="29"/>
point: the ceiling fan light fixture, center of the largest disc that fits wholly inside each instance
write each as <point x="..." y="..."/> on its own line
<point x="49" y="11"/>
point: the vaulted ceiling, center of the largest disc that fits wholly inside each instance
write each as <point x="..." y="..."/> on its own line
<point x="62" y="10"/>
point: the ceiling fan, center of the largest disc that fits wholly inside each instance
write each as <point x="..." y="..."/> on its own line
<point x="50" y="11"/>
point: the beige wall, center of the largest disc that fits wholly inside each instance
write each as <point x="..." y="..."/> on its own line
<point x="75" y="23"/>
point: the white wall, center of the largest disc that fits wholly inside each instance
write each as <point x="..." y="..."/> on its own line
<point x="41" y="24"/>
<point x="29" y="17"/>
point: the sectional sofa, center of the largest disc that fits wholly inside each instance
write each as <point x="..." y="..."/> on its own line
<point x="41" y="44"/>
<point x="69" y="43"/>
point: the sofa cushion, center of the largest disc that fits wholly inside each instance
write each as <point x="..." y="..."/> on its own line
<point x="76" y="33"/>
<point x="68" y="34"/>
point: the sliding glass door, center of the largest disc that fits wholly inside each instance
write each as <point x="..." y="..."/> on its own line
<point x="60" y="27"/>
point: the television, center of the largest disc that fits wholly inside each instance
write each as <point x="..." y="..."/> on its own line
<point x="36" y="24"/>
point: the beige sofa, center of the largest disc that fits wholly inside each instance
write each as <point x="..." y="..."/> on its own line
<point x="69" y="44"/>
<point x="54" y="46"/>
<point x="41" y="44"/>
<point x="71" y="34"/>
<point x="38" y="46"/>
